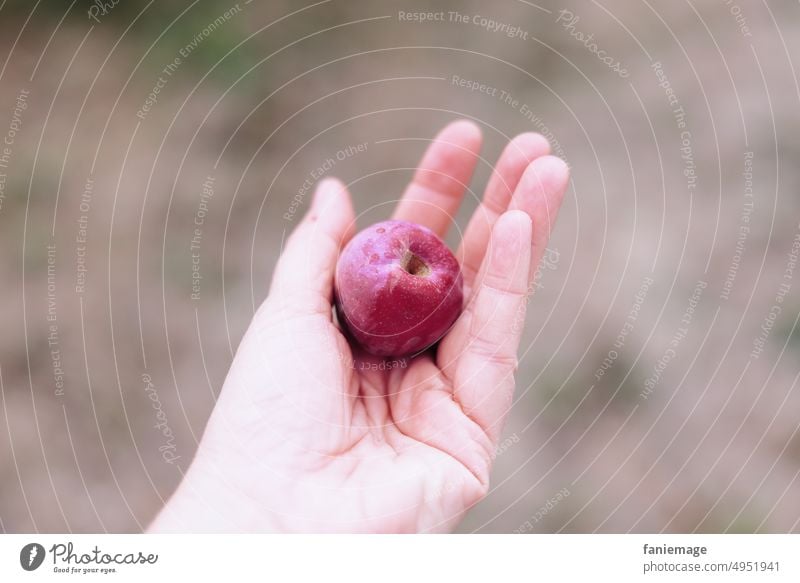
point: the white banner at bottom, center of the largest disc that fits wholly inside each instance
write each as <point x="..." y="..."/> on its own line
<point x="400" y="558"/>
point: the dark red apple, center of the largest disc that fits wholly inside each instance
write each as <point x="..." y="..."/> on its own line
<point x="398" y="288"/>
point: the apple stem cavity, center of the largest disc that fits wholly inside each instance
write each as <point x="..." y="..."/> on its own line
<point x="414" y="265"/>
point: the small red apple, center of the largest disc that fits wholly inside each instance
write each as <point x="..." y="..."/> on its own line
<point x="398" y="288"/>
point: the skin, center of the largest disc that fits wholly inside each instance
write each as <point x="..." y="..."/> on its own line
<point x="311" y="435"/>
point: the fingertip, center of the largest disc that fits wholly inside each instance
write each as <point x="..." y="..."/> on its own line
<point x="548" y="168"/>
<point x="328" y="188"/>
<point x="332" y="194"/>
<point x="529" y="145"/>
<point x="543" y="182"/>
<point x="332" y="203"/>
<point x="515" y="219"/>
<point x="557" y="167"/>
<point x="464" y="132"/>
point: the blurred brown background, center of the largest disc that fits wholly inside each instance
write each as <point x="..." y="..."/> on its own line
<point x="683" y="149"/>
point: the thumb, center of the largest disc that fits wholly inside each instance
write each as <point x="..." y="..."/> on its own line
<point x="303" y="279"/>
<point x="270" y="377"/>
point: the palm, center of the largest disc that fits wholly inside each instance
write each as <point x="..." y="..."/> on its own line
<point x="314" y="435"/>
<point x="394" y="438"/>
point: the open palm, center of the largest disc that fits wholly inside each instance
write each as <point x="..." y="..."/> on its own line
<point x="311" y="434"/>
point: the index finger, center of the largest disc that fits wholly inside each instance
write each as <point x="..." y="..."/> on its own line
<point x="435" y="193"/>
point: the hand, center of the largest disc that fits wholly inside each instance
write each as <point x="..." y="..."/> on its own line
<point x="309" y="434"/>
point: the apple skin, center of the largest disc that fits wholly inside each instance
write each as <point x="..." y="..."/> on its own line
<point x="398" y="288"/>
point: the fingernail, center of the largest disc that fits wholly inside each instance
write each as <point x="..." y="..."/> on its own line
<point x="520" y="219"/>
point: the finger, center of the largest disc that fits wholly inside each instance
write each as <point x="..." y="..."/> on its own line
<point x="444" y="173"/>
<point x="270" y="380"/>
<point x="479" y="355"/>
<point x="303" y="278"/>
<point x="539" y="193"/>
<point x="517" y="155"/>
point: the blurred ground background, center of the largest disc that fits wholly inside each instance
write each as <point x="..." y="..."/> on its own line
<point x="689" y="428"/>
